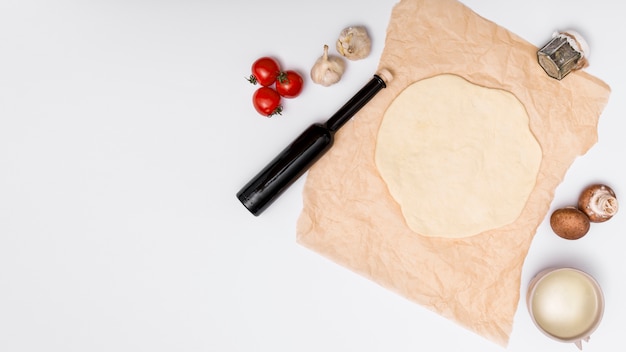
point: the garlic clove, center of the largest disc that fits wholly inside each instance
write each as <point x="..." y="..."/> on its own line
<point x="354" y="43"/>
<point x="598" y="202"/>
<point x="327" y="69"/>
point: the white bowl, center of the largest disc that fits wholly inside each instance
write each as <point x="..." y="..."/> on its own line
<point x="565" y="304"/>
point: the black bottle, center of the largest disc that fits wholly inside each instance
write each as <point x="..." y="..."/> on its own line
<point x="302" y="153"/>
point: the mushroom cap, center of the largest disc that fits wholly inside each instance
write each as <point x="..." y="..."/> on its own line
<point x="569" y="223"/>
<point x="598" y="202"/>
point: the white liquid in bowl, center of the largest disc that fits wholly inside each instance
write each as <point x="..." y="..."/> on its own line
<point x="566" y="304"/>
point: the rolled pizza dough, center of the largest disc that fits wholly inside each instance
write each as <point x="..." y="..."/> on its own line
<point x="458" y="158"/>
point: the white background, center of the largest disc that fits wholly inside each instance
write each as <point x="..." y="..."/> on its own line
<point x="126" y="128"/>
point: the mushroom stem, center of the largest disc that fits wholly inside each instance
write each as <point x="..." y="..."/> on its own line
<point x="604" y="203"/>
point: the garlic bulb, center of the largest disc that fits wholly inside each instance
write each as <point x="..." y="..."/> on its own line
<point x="327" y="69"/>
<point x="354" y="43"/>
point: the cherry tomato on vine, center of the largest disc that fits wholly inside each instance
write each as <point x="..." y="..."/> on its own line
<point x="264" y="71"/>
<point x="289" y="84"/>
<point x="267" y="102"/>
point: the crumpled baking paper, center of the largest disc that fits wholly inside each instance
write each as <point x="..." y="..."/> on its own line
<point x="349" y="216"/>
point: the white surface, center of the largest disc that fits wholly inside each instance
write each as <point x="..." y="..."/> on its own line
<point x="126" y="129"/>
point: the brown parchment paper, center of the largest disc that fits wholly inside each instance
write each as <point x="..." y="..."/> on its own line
<point x="349" y="216"/>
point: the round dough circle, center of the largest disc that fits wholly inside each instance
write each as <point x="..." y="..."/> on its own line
<point x="458" y="158"/>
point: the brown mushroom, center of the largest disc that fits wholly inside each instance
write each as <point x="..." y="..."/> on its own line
<point x="598" y="201"/>
<point x="569" y="223"/>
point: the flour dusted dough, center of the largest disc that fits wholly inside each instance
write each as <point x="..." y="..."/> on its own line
<point x="458" y="158"/>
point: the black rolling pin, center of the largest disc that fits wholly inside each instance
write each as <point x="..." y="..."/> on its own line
<point x="304" y="151"/>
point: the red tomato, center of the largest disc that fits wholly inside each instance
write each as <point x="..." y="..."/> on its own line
<point x="267" y="101"/>
<point x="289" y="84"/>
<point x="264" y="70"/>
